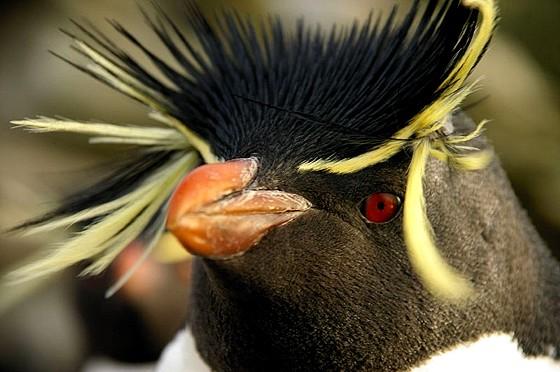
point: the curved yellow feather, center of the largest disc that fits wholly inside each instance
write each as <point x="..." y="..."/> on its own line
<point x="488" y="16"/>
<point x="103" y="240"/>
<point x="437" y="276"/>
<point x="429" y="120"/>
<point x="121" y="80"/>
<point x="196" y="141"/>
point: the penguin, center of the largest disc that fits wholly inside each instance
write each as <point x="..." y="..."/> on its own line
<point x="343" y="212"/>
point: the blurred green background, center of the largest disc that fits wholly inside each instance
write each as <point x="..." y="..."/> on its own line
<point x="42" y="327"/>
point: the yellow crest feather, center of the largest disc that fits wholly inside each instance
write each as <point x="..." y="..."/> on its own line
<point x="105" y="239"/>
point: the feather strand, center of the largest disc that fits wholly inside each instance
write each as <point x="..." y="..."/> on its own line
<point x="112" y="232"/>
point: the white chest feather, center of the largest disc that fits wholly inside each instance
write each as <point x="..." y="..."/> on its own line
<point x="181" y="355"/>
<point x="493" y="353"/>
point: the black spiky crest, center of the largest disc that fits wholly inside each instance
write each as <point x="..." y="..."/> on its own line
<point x="340" y="91"/>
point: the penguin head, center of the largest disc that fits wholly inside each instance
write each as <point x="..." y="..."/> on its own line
<point x="293" y="125"/>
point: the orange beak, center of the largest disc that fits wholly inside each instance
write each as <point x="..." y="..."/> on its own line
<point x="214" y="215"/>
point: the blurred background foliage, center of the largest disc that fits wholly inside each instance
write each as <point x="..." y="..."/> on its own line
<point x="62" y="323"/>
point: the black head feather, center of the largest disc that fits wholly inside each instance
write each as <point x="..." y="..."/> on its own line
<point x="252" y="89"/>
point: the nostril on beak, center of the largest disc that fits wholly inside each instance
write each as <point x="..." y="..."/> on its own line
<point x="209" y="183"/>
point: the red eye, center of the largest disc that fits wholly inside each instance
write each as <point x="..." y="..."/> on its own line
<point x="381" y="207"/>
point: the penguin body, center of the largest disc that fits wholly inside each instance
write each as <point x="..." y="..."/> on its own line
<point x="181" y="355"/>
<point x="348" y="215"/>
<point x="497" y="352"/>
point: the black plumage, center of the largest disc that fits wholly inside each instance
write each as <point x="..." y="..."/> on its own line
<point x="340" y="91"/>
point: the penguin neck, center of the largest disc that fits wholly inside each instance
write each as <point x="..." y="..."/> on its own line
<point x="238" y="327"/>
<point x="526" y="276"/>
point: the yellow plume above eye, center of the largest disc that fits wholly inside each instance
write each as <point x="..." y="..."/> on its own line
<point x="115" y="75"/>
<point x="431" y="118"/>
<point x="438" y="277"/>
<point x="489" y="15"/>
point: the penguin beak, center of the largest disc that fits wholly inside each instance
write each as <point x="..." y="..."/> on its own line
<point x="215" y="214"/>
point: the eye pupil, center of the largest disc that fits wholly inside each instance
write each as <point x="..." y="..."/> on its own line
<point x="381" y="207"/>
